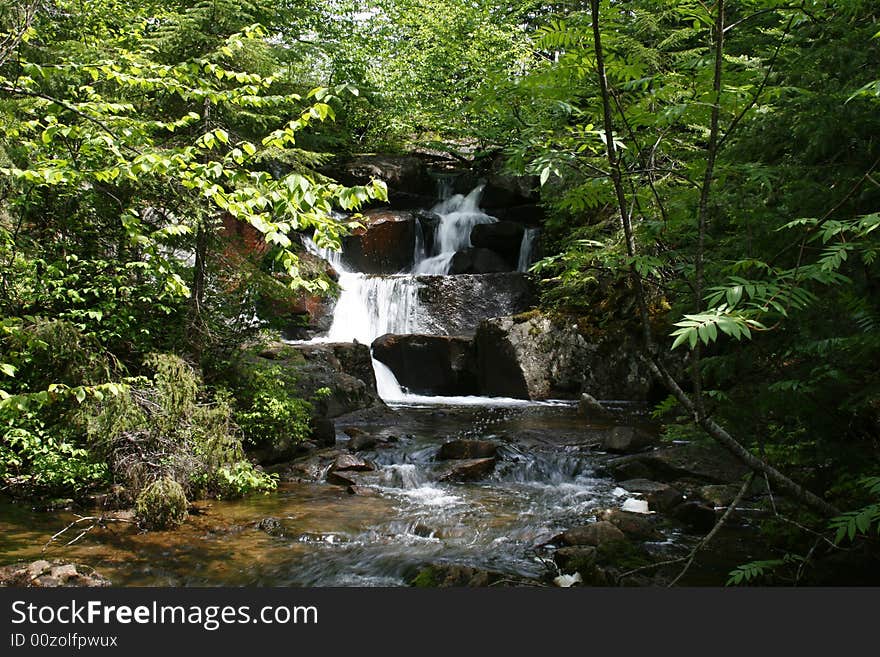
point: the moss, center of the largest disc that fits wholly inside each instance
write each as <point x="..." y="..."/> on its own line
<point x="426" y="578"/>
<point x="161" y="505"/>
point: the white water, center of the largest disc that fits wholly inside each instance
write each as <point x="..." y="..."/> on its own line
<point x="371" y="306"/>
<point x="458" y="216"/>
<point x="526" y="248"/>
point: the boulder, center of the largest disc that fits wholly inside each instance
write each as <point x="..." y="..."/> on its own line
<point x="429" y="364"/>
<point x="536" y="356"/>
<point x="474" y="260"/>
<point x="575" y="559"/>
<point x="346" y="369"/>
<point x="409" y="185"/>
<point x="426" y="228"/>
<point x="455" y="305"/>
<point x="660" y="496"/>
<point x="502" y="237"/>
<point x="385" y="245"/>
<point x="595" y="534"/>
<point x="362" y="491"/>
<point x="466" y="469"/>
<point x="634" y="525"/>
<point x="467" y="449"/>
<point x="350" y="462"/>
<point x="50" y="574"/>
<point x="695" y="515"/>
<point x="627" y="439"/>
<point x="443" y="575"/>
<point x="706" y="464"/>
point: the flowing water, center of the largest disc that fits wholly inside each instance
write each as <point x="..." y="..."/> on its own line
<point x="544" y="482"/>
<point x="321" y="535"/>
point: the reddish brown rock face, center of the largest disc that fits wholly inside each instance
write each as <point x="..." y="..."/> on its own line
<point x="384" y="245"/>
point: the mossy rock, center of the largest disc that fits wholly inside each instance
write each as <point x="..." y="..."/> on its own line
<point x="161" y="505"/>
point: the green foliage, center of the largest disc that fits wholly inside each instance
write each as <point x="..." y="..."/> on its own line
<point x="269" y="412"/>
<point x="755" y="571"/>
<point x="161" y="505"/>
<point x="862" y="521"/>
<point x="35" y="461"/>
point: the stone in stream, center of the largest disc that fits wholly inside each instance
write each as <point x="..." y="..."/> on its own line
<point x="502" y="237"/>
<point x="444" y="575"/>
<point x="660" y="496"/>
<point x="271" y="526"/>
<point x="474" y="260"/>
<point x="595" y="534"/>
<point x="578" y="558"/>
<point x="429" y="364"/>
<point x="627" y="439"/>
<point x="466" y="469"/>
<point x="350" y="462"/>
<point x="696" y="515"/>
<point x="634" y="525"/>
<point x="706" y="464"/>
<point x="467" y="449"/>
<point x="362" y="491"/>
<point x="50" y="574"/>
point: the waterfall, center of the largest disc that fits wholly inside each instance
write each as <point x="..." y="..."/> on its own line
<point x="526" y="248"/>
<point x="458" y="216"/>
<point x="369" y="306"/>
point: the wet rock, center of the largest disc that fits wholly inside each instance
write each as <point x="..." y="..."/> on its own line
<point x="455" y="305"/>
<point x="362" y="443"/>
<point x="467" y="449"/>
<point x="707" y="464"/>
<point x="536" y="356"/>
<point x="346" y="369"/>
<point x="695" y="515"/>
<point x="467" y="469"/>
<point x="474" y="260"/>
<point x="634" y="525"/>
<point x="50" y="574"/>
<point x="445" y="575"/>
<point x="592" y="408"/>
<point x="407" y="178"/>
<point x="429" y="364"/>
<point x="385" y="245"/>
<point x="627" y="439"/>
<point x="346" y="478"/>
<point x="660" y="496"/>
<point x="595" y="534"/>
<point x="362" y="491"/>
<point x="428" y="223"/>
<point x="271" y="526"/>
<point x="719" y="494"/>
<point x="350" y="462"/>
<point x="323" y="431"/>
<point x="502" y="237"/>
<point x="578" y="558"/>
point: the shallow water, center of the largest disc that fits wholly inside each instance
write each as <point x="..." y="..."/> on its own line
<point x="544" y="482"/>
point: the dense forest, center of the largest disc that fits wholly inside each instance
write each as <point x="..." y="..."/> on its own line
<point x="707" y="180"/>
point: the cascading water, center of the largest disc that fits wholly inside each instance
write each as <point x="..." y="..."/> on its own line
<point x="458" y="216"/>
<point x="526" y="248"/>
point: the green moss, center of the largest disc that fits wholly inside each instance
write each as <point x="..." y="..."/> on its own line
<point x="426" y="578"/>
<point x="161" y="505"/>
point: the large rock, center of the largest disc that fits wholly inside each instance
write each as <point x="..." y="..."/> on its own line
<point x="626" y="439"/>
<point x="660" y="496"/>
<point x="385" y="245"/>
<point x="50" y="574"/>
<point x="535" y="356"/>
<point x="407" y="178"/>
<point x="475" y="260"/>
<point x="344" y="368"/>
<point x="466" y="469"/>
<point x="455" y="305"/>
<point x="467" y="449"/>
<point x="595" y="534"/>
<point x="429" y="364"/>
<point x="705" y="464"/>
<point x="503" y="237"/>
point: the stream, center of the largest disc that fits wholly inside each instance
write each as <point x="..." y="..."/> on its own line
<point x="313" y="533"/>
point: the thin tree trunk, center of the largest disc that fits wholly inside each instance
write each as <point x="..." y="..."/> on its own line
<point x="716" y="431"/>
